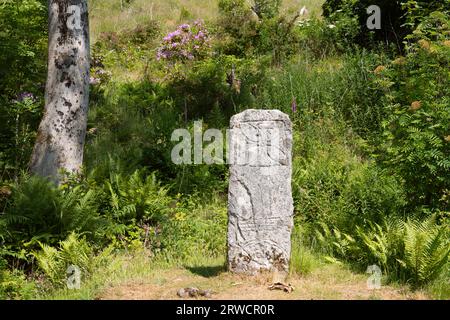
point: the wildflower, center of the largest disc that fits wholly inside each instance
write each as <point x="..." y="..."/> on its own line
<point x="183" y="44"/>
<point x="24" y="96"/>
<point x="294" y="105"/>
<point x="416" y="105"/>
<point x="303" y="11"/>
<point x="172" y="35"/>
<point x="184" y="27"/>
<point x="331" y="26"/>
<point x="180" y="216"/>
<point x="200" y="34"/>
<point x="198" y="23"/>
<point x="447" y="138"/>
<point x="379" y="69"/>
<point x="93" y="81"/>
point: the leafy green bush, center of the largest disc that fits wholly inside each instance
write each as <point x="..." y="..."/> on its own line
<point x="344" y="10"/>
<point x="399" y="18"/>
<point x="23" y="46"/>
<point x="130" y="125"/>
<point x="237" y="27"/>
<point x="322" y="39"/>
<point x="21" y="117"/>
<point x="416" y="138"/>
<point x="23" y="43"/>
<point x="266" y="8"/>
<point x="332" y="185"/>
<point x="14" y="286"/>
<point x="247" y="31"/>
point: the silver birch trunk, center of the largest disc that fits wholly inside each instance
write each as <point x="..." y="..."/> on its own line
<point x="60" y="140"/>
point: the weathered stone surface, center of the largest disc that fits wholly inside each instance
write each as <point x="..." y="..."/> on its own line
<point x="260" y="206"/>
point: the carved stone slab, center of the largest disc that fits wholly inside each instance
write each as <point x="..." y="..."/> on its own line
<point x="260" y="206"/>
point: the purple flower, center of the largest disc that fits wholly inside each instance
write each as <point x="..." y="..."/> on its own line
<point x="198" y="23"/>
<point x="200" y="35"/>
<point x="25" y="95"/>
<point x="172" y="35"/>
<point x="93" y="81"/>
<point x="184" y="27"/>
<point x="183" y="44"/>
<point x="294" y="105"/>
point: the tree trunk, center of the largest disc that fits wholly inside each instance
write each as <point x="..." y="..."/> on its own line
<point x="61" y="134"/>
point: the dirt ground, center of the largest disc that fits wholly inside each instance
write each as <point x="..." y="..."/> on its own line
<point x="328" y="282"/>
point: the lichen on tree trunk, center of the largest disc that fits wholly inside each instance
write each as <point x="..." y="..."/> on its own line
<point x="61" y="134"/>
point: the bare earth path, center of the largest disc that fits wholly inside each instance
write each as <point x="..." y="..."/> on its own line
<point x="327" y="282"/>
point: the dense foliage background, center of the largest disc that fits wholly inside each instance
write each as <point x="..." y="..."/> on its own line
<point x="371" y="114"/>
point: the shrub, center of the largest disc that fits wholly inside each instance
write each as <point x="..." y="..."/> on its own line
<point x="124" y="54"/>
<point x="246" y="31"/>
<point x="237" y="27"/>
<point x="344" y="10"/>
<point x="416" y="133"/>
<point x="399" y="18"/>
<point x="322" y="39"/>
<point x="23" y="49"/>
<point x="21" y="118"/>
<point x="130" y="127"/>
<point x="184" y="44"/>
<point x="14" y="286"/>
<point x="344" y="194"/>
<point x="266" y="8"/>
<point x="23" y="53"/>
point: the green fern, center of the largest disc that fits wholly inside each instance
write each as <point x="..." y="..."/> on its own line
<point x="72" y="251"/>
<point x="426" y="250"/>
<point x="137" y="197"/>
<point x="40" y="212"/>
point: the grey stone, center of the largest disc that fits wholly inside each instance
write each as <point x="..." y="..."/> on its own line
<point x="260" y="205"/>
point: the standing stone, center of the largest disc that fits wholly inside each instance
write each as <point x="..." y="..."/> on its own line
<point x="260" y="205"/>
